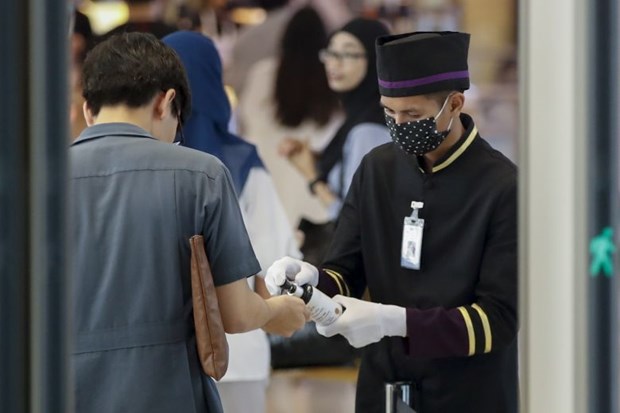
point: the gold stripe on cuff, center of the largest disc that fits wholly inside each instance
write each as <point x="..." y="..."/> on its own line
<point x="336" y="280"/>
<point x="470" y="330"/>
<point x="342" y="284"/>
<point x="488" y="338"/>
<point x="346" y="286"/>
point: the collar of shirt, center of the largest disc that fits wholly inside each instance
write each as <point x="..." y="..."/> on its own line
<point x="459" y="147"/>
<point x="112" y="129"/>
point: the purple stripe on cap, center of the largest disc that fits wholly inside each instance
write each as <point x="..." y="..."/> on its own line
<point x="463" y="74"/>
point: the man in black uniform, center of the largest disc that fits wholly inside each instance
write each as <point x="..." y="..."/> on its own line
<point x="429" y="226"/>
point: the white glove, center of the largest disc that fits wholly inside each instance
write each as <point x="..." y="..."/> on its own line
<point x="364" y="322"/>
<point x="295" y="270"/>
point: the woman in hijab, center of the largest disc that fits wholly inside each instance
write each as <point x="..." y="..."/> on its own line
<point x="350" y="65"/>
<point x="264" y="216"/>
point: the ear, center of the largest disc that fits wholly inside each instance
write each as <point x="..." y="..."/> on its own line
<point x="88" y="114"/>
<point x="457" y="102"/>
<point x="163" y="104"/>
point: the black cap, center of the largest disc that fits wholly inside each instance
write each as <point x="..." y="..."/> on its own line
<point x="422" y="62"/>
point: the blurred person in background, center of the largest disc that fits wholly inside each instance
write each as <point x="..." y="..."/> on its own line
<point x="82" y="37"/>
<point x="212" y="15"/>
<point x="500" y="108"/>
<point x="288" y="96"/>
<point x="188" y="18"/>
<point x="350" y="64"/>
<point x="136" y="201"/>
<point x="77" y="123"/>
<point x="243" y="388"/>
<point x="257" y="42"/>
<point x="144" y="16"/>
<point x="82" y="40"/>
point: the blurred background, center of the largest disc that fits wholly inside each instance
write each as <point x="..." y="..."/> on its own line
<point x="545" y="92"/>
<point x="492" y="100"/>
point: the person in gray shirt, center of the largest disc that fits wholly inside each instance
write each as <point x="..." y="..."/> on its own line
<point x="136" y="199"/>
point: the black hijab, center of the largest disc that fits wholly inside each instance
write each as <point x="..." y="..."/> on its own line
<point x="361" y="105"/>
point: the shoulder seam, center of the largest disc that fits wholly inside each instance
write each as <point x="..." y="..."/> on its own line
<point x="145" y="169"/>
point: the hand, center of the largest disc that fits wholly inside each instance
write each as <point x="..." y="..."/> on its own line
<point x="364" y="323"/>
<point x="292" y="269"/>
<point x="301" y="156"/>
<point x="289" y="146"/>
<point x="289" y="314"/>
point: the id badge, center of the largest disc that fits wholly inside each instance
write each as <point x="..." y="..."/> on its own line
<point x="411" y="247"/>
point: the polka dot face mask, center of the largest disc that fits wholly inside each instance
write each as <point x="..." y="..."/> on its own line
<point x="420" y="136"/>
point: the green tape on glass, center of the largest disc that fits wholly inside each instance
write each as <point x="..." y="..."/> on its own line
<point x="602" y="249"/>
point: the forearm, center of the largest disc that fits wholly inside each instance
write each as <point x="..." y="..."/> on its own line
<point x="318" y="186"/>
<point x="257" y="313"/>
<point x="241" y="308"/>
<point x="261" y="288"/>
<point x="324" y="194"/>
<point x="264" y="312"/>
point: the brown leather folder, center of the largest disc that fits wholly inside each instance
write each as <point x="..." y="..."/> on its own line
<point x="210" y="335"/>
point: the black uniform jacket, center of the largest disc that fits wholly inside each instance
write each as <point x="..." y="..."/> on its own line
<point x="461" y="350"/>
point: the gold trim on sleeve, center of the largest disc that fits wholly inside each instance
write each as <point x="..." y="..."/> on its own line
<point x="342" y="285"/>
<point x="486" y="326"/>
<point x="470" y="330"/>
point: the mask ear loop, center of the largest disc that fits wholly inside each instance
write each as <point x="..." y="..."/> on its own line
<point x="447" y="131"/>
<point x="445" y="102"/>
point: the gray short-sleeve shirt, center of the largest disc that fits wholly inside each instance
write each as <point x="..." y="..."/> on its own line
<point x="135" y="202"/>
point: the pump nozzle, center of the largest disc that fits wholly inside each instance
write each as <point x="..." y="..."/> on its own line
<point x="291" y="288"/>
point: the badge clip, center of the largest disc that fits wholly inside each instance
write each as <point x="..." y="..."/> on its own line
<point x="416" y="207"/>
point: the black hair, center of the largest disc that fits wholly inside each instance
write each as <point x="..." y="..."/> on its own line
<point x="130" y="69"/>
<point x="301" y="88"/>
